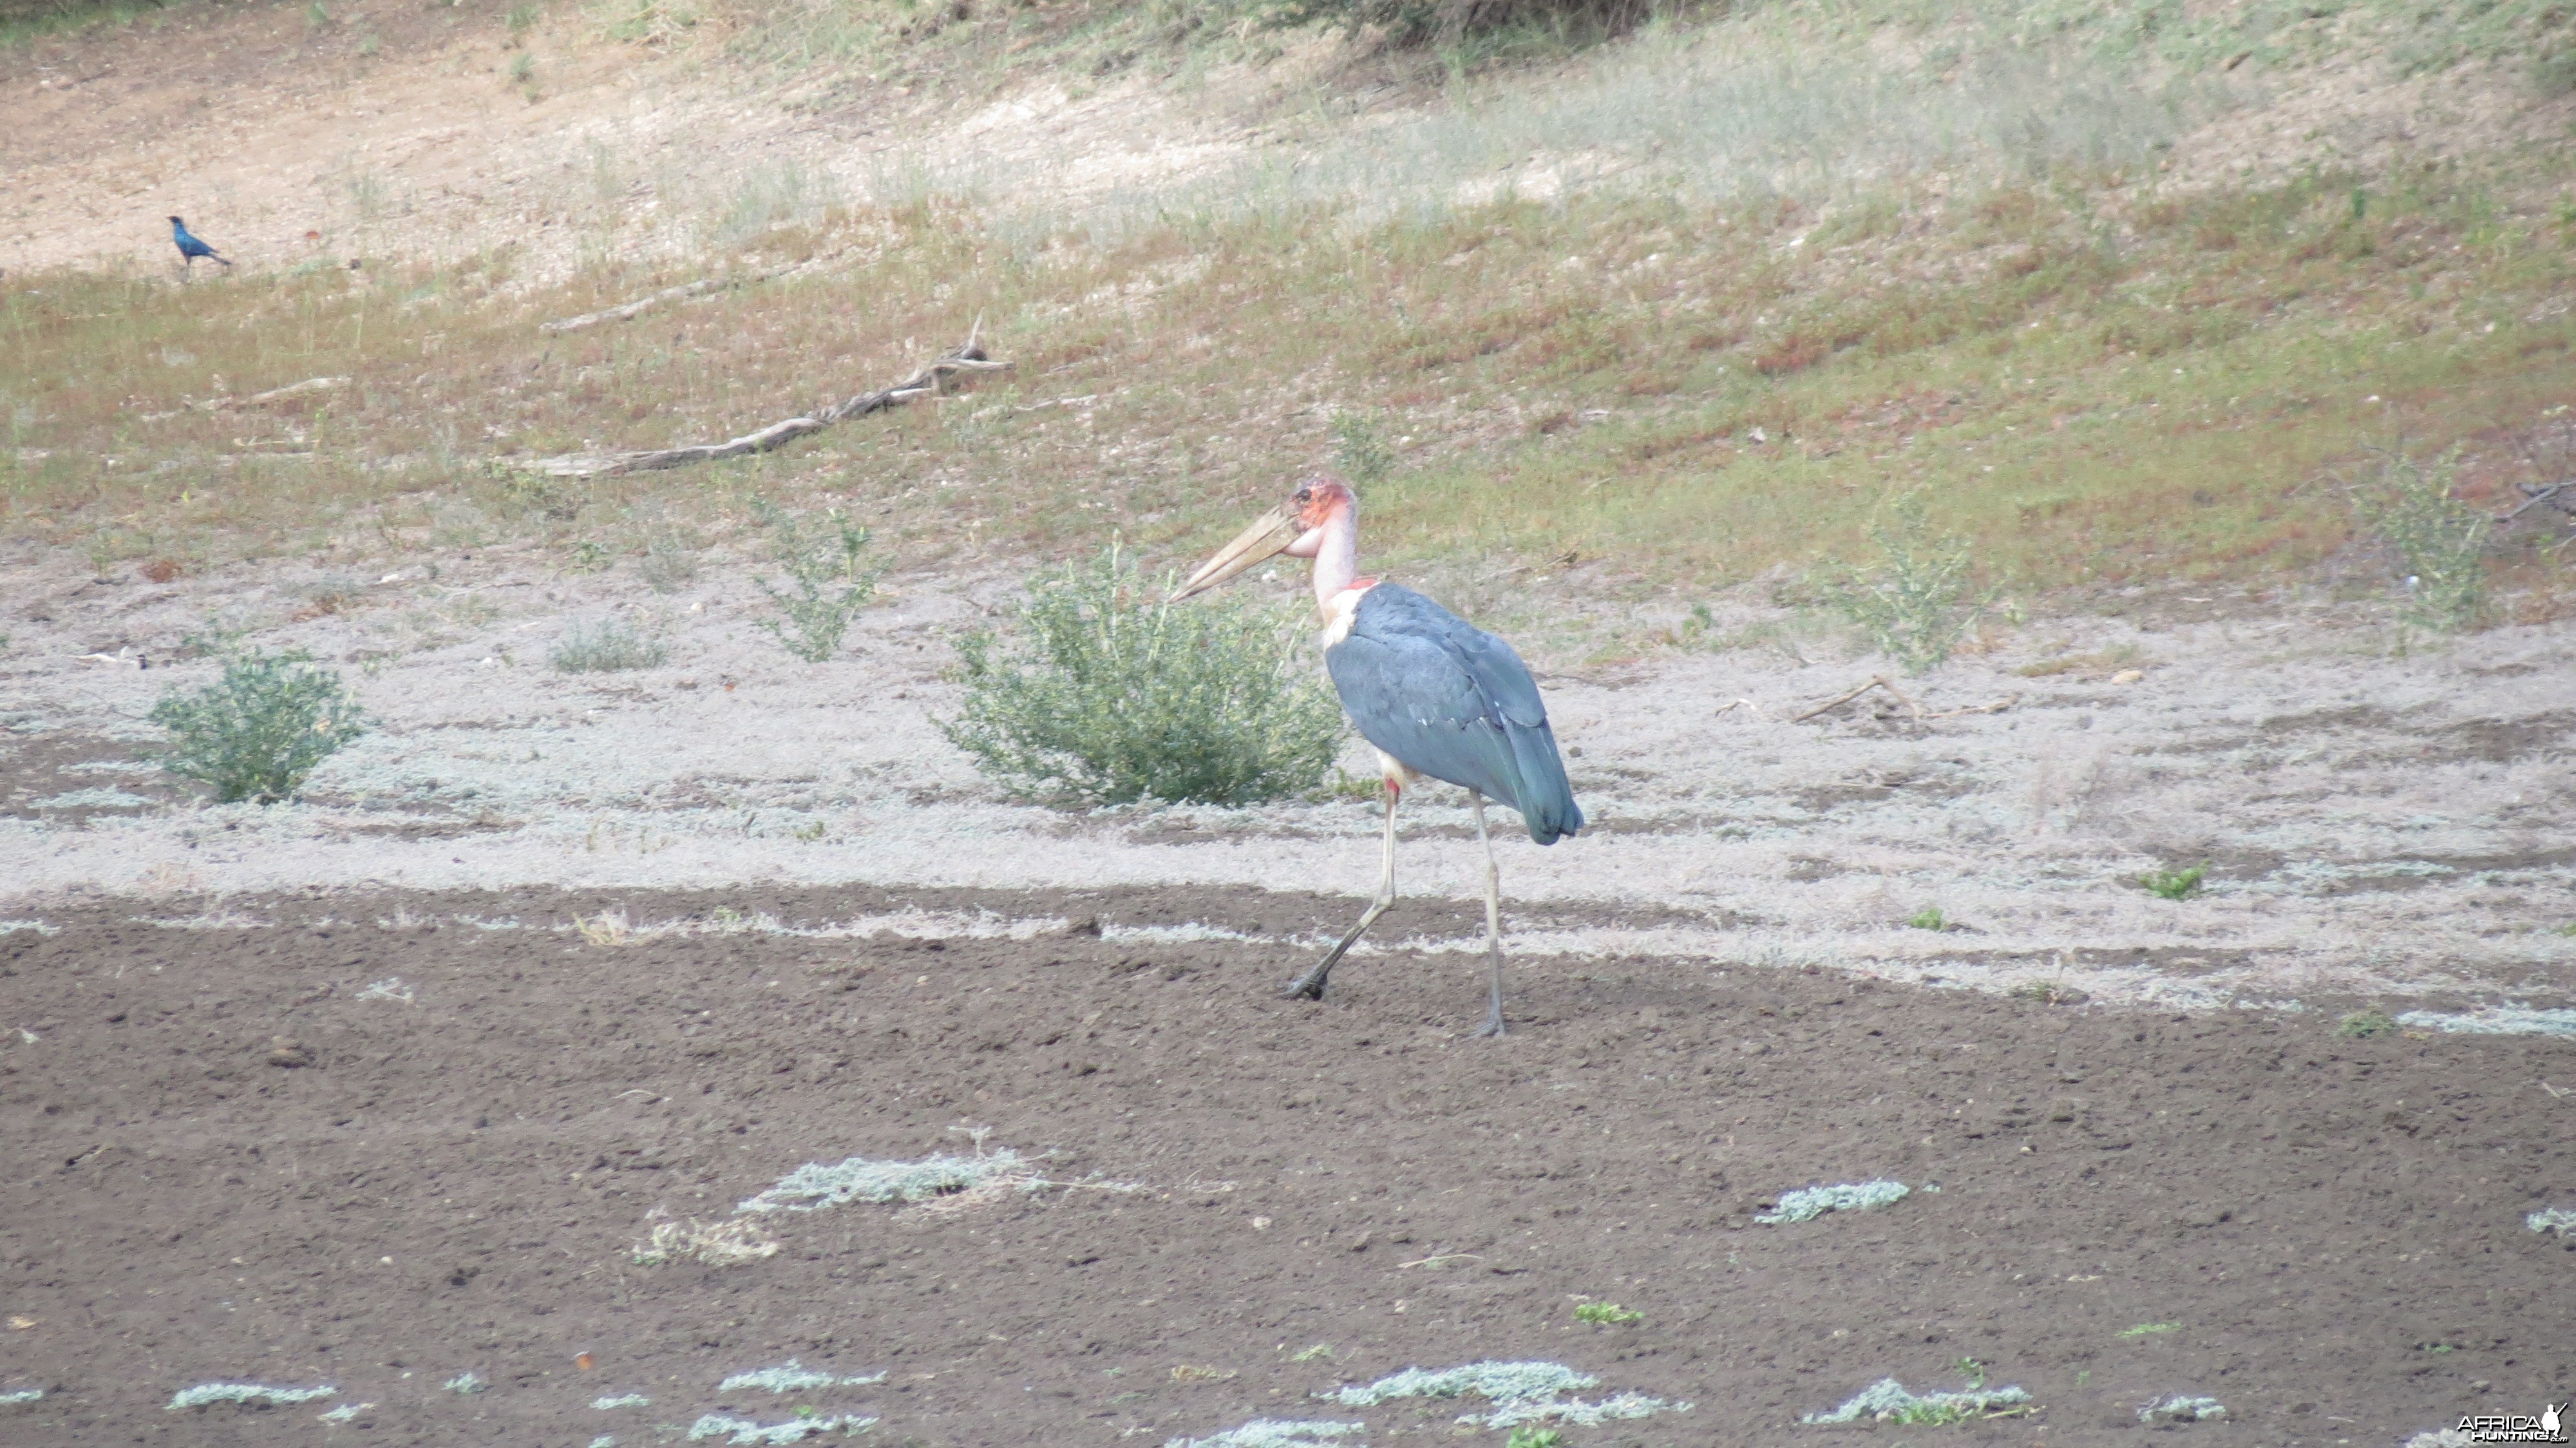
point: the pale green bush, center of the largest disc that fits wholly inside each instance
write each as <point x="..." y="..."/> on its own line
<point x="1104" y="694"/>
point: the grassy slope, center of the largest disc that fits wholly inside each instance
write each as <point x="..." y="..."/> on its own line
<point x="2096" y="377"/>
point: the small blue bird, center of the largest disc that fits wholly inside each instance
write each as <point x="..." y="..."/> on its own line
<point x="1432" y="693"/>
<point x="189" y="246"/>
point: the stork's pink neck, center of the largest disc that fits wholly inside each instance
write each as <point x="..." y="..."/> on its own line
<point x="1337" y="556"/>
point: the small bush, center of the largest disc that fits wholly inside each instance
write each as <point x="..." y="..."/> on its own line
<point x="2362" y="1025"/>
<point x="2175" y="884"/>
<point x="1606" y="1314"/>
<point x="1361" y="448"/>
<point x="668" y="565"/>
<point x="1452" y="22"/>
<point x="2440" y="542"/>
<point x="1928" y="918"/>
<point x="1107" y="695"/>
<point x="1914" y="605"/>
<point x="257" y="733"/>
<point x="1527" y="1436"/>
<point x="607" y="649"/>
<point x="826" y="583"/>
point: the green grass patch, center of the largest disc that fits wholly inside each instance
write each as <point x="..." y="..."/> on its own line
<point x="2175" y="884"/>
<point x="1606" y="1314"/>
<point x="2150" y="1329"/>
<point x="2363" y="1025"/>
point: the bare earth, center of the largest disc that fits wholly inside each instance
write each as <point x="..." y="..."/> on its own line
<point x="666" y="936"/>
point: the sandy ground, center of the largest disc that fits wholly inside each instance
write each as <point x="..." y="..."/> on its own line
<point x="2394" y="827"/>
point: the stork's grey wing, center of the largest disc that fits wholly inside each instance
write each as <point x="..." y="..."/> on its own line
<point x="1453" y="702"/>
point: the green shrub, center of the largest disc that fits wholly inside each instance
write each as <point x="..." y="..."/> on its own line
<point x="2440" y="542"/>
<point x="2362" y="1025"/>
<point x="1928" y="918"/>
<point x="257" y="733"/>
<point x="607" y="649"/>
<point x="1607" y="1314"/>
<point x="2175" y="884"/>
<point x="827" y="586"/>
<point x="1106" y="695"/>
<point x="1914" y="605"/>
<point x="1450" y="22"/>
<point x="1361" y="448"/>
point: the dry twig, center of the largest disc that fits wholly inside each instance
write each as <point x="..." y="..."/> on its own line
<point x="640" y="304"/>
<point x="2535" y="494"/>
<point x="1878" y="681"/>
<point x="1991" y="706"/>
<point x="965" y="361"/>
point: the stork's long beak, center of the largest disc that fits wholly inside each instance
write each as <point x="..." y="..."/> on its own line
<point x="1275" y="530"/>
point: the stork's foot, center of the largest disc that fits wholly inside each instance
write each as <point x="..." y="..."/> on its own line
<point x="1307" y="987"/>
<point x="1493" y="1026"/>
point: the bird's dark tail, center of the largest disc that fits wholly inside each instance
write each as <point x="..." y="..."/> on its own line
<point x="1546" y="798"/>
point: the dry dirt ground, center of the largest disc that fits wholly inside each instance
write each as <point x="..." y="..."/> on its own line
<point x="2325" y="1235"/>
<point x="642" y="944"/>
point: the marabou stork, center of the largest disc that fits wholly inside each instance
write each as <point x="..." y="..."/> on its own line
<point x="1433" y="694"/>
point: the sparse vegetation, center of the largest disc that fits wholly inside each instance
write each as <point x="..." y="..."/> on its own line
<point x="1104" y="694"/>
<point x="726" y="1243"/>
<point x="261" y="730"/>
<point x="2150" y="1329"/>
<point x="668" y="566"/>
<point x="1606" y="1314"/>
<point x="607" y="647"/>
<point x="2362" y="1025"/>
<point x="1928" y="918"/>
<point x="828" y="580"/>
<point x="1914" y="603"/>
<point x="2048" y="993"/>
<point x="1528" y="1436"/>
<point x="2439" y="541"/>
<point x="2175" y="884"/>
<point x="1361" y="448"/>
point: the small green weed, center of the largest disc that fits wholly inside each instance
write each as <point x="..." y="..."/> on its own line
<point x="2150" y="1329"/>
<point x="589" y="556"/>
<point x="2439" y="541"/>
<point x="1928" y="918"/>
<point x="1108" y="695"/>
<point x="827" y="584"/>
<point x="1607" y="1314"/>
<point x="1528" y="1436"/>
<point x="2362" y="1025"/>
<point x="259" y="732"/>
<point x="609" y="648"/>
<point x="1914" y="604"/>
<point x="523" y="18"/>
<point x="668" y="565"/>
<point x="1361" y="447"/>
<point x="2175" y="884"/>
<point x="1322" y="1350"/>
<point x="2048" y="993"/>
<point x="523" y="68"/>
<point x="316" y="17"/>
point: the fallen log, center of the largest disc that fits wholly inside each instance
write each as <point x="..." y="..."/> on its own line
<point x="966" y="361"/>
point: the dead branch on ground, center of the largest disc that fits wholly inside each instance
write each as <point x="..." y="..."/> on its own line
<point x="2535" y="494"/>
<point x="1991" y="706"/>
<point x="966" y="361"/>
<point x="1877" y="681"/>
<point x="641" y="304"/>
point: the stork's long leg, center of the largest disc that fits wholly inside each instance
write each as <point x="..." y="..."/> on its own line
<point x="1493" y="917"/>
<point x="1311" y="984"/>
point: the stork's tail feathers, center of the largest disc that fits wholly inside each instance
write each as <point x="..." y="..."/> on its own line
<point x="1546" y="798"/>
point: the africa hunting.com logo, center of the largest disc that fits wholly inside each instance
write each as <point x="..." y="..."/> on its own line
<point x="2517" y="1427"/>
